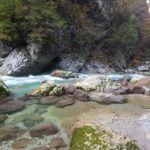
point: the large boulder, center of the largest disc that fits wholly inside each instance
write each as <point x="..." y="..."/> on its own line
<point x="81" y="95"/>
<point x="107" y="98"/>
<point x="145" y="82"/>
<point x="3" y="89"/>
<point x="43" y="90"/>
<point x="97" y="83"/>
<point x="29" y="60"/>
<point x="138" y="86"/>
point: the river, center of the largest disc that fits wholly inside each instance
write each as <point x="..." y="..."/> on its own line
<point x="131" y="119"/>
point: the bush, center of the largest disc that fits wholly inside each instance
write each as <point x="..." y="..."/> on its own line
<point x="123" y="36"/>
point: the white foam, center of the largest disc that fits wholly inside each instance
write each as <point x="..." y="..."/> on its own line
<point x="12" y="81"/>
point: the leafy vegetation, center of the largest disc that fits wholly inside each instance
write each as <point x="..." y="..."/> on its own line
<point x="123" y="36"/>
<point x="42" y="20"/>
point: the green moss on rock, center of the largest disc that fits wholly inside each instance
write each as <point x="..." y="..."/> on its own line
<point x="90" y="138"/>
<point x="3" y="89"/>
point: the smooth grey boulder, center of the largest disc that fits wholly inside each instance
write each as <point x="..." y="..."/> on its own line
<point x="108" y="98"/>
<point x="25" y="61"/>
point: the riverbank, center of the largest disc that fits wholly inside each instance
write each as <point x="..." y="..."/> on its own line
<point x="129" y="120"/>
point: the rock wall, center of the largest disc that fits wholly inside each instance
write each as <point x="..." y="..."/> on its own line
<point x="78" y="49"/>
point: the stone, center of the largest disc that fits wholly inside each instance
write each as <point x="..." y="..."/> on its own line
<point x="64" y="74"/>
<point x="28" y="60"/>
<point x="123" y="91"/>
<point x="145" y="82"/>
<point x="97" y="83"/>
<point x="137" y="90"/>
<point x="108" y="98"/>
<point x="5" y="100"/>
<point x="57" y="143"/>
<point x="68" y="89"/>
<point x="12" y="106"/>
<point x="57" y="91"/>
<point x="3" y="89"/>
<point x="81" y="95"/>
<point x="43" y="130"/>
<point x="64" y="103"/>
<point x="49" y="100"/>
<point x="3" y="118"/>
<point x="10" y="133"/>
<point x="43" y="90"/>
<point x="125" y="81"/>
<point x="109" y="90"/>
<point x="21" y="143"/>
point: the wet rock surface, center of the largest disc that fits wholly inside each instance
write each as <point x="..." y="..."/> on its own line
<point x="12" y="106"/>
<point x="57" y="143"/>
<point x="49" y="100"/>
<point x="81" y="95"/>
<point x="10" y="133"/>
<point x="21" y="143"/>
<point x="108" y="98"/>
<point x="42" y="130"/>
<point x="64" y="103"/>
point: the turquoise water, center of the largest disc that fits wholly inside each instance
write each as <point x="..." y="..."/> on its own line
<point x="22" y="85"/>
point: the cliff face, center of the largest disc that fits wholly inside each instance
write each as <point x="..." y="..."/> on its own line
<point x="75" y="35"/>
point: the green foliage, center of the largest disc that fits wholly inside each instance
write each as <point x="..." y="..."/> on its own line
<point x="42" y="20"/>
<point x="7" y="9"/>
<point x="123" y="36"/>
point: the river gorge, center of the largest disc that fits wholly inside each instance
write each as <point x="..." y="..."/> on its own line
<point x="74" y="75"/>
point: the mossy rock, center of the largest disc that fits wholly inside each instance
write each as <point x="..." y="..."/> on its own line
<point x="3" y="89"/>
<point x="57" y="91"/>
<point x="90" y="138"/>
<point x="43" y="90"/>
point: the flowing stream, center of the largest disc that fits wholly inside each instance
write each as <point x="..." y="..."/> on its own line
<point x="131" y="119"/>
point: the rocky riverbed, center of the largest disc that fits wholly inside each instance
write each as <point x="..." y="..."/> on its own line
<point x="53" y="109"/>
